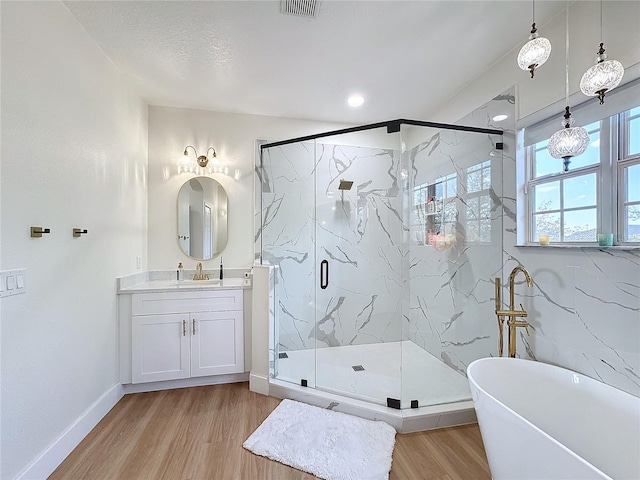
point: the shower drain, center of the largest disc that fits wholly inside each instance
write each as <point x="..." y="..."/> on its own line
<point x="358" y="368"/>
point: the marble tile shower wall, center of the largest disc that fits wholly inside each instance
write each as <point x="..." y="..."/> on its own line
<point x="358" y="231"/>
<point x="451" y="289"/>
<point x="584" y="307"/>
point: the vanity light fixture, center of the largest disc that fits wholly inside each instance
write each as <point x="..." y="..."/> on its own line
<point x="206" y="164"/>
<point x="570" y="141"/>
<point x="185" y="164"/>
<point x="536" y="51"/>
<point x="604" y="76"/>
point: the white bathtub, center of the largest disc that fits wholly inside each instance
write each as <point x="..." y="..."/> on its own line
<point x="539" y="421"/>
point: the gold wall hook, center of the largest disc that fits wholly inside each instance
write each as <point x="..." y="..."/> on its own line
<point x="36" y="232"/>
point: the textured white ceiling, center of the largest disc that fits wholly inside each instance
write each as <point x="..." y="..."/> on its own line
<point x="406" y="58"/>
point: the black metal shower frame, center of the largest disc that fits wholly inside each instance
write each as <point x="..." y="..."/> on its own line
<point x="393" y="126"/>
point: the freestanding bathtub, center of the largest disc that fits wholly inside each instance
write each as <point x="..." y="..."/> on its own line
<point x="539" y="421"/>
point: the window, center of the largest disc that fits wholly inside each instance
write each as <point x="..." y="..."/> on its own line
<point x="575" y="206"/>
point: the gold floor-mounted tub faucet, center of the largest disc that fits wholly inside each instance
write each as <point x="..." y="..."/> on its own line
<point x="512" y="314"/>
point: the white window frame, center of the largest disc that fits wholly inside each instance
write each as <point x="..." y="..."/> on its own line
<point x="625" y="160"/>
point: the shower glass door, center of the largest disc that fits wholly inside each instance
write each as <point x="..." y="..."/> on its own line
<point x="358" y="260"/>
<point x="288" y="239"/>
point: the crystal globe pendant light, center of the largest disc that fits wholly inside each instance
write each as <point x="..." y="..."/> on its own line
<point x="604" y="76"/>
<point x="570" y="141"/>
<point x="536" y="51"/>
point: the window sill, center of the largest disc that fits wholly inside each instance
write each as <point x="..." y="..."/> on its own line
<point x="579" y="246"/>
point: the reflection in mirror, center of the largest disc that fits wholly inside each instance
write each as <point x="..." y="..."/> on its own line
<point x="202" y="218"/>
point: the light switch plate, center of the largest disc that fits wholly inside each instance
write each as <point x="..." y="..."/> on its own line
<point x="12" y="282"/>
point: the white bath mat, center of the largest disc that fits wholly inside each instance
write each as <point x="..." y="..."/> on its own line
<point x="330" y="445"/>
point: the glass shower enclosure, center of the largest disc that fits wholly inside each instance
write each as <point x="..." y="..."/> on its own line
<point x="384" y="239"/>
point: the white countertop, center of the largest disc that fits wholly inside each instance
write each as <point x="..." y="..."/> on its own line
<point x="164" y="281"/>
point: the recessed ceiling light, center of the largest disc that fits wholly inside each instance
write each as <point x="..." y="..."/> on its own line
<point x="355" y="100"/>
<point x="499" y="118"/>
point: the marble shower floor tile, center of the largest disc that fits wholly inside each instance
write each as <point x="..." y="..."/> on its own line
<point x="400" y="370"/>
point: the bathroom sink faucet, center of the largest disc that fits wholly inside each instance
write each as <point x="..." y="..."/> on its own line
<point x="199" y="275"/>
<point x="512" y="314"/>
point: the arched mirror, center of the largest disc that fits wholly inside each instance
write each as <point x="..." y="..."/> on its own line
<point x="202" y="218"/>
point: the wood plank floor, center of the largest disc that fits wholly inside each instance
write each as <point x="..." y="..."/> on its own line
<point x="197" y="433"/>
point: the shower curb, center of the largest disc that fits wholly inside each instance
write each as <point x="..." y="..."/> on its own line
<point x="404" y="421"/>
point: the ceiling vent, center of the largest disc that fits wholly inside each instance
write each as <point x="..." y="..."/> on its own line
<point x="300" y="8"/>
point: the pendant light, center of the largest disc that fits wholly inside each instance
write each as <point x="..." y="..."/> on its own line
<point x="536" y="51"/>
<point x="570" y="141"/>
<point x="604" y="76"/>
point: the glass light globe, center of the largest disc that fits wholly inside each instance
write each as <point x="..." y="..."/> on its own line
<point x="534" y="53"/>
<point x="185" y="164"/>
<point x="605" y="75"/>
<point x="568" y="142"/>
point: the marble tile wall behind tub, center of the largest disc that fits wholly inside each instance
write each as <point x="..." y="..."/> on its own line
<point x="359" y="232"/>
<point x="584" y="306"/>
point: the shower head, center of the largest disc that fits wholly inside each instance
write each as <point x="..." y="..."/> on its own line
<point x="345" y="185"/>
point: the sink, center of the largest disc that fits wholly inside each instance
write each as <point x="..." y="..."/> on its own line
<point x="193" y="283"/>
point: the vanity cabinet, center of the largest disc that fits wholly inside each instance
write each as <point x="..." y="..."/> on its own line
<point x="186" y="334"/>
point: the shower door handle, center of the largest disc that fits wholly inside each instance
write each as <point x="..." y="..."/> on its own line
<point x="324" y="274"/>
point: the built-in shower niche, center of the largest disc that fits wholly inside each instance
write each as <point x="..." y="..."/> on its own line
<point x="435" y="214"/>
<point x="358" y="282"/>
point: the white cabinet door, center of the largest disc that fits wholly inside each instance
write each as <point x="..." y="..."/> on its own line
<point x="217" y="345"/>
<point x="160" y="347"/>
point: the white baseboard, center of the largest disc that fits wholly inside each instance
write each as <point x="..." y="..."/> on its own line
<point x="259" y="384"/>
<point x="185" y="382"/>
<point x="52" y="456"/>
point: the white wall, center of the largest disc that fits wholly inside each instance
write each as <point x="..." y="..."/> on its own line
<point x="622" y="43"/>
<point x="0" y="250"/>
<point x="74" y="154"/>
<point x="233" y="136"/>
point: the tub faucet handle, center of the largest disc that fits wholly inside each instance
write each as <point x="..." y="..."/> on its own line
<point x="522" y="323"/>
